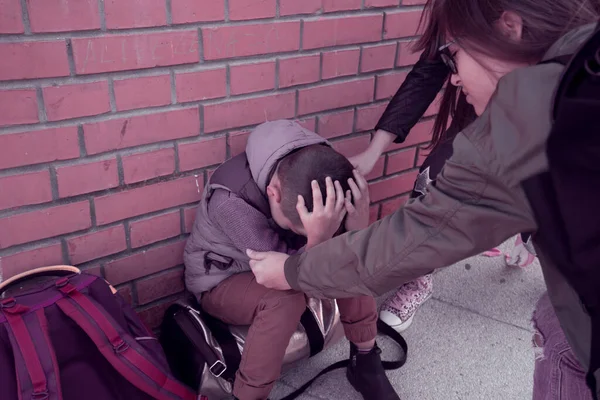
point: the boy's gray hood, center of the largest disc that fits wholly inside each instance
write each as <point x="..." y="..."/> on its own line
<point x="270" y="142"/>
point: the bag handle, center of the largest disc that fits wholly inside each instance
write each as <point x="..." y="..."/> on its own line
<point x="122" y="354"/>
<point x="55" y="270"/>
<point x="383" y="329"/>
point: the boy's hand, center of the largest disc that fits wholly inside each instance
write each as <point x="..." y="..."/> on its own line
<point x="358" y="213"/>
<point x="325" y="219"/>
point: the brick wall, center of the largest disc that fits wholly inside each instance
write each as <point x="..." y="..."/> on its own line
<point x="113" y="113"/>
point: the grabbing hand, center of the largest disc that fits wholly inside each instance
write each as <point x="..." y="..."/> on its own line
<point x="364" y="162"/>
<point x="325" y="219"/>
<point x="358" y="213"/>
<point x="268" y="269"/>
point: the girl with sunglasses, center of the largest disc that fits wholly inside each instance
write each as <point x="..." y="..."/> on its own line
<point x="413" y="98"/>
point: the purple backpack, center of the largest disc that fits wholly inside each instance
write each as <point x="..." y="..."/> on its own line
<point x="68" y="335"/>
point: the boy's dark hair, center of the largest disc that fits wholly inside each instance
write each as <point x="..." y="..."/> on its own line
<point x="299" y="168"/>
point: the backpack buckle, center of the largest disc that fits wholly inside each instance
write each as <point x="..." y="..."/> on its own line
<point x="8" y="303"/>
<point x="218" y="368"/>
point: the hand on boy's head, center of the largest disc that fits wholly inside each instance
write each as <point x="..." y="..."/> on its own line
<point x="358" y="210"/>
<point x="325" y="218"/>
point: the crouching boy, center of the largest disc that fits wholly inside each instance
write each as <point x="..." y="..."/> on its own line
<point x="260" y="200"/>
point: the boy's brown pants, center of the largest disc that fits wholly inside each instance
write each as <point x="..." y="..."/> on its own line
<point x="273" y="317"/>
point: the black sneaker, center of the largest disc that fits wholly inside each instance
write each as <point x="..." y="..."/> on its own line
<point x="367" y="376"/>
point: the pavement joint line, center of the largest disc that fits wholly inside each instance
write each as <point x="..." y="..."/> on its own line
<point x="480" y="314"/>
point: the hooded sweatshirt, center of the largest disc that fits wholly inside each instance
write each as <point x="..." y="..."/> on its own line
<point x="477" y="203"/>
<point x="234" y="213"/>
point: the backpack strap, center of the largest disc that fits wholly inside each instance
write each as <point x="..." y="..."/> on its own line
<point x="36" y="367"/>
<point x="121" y="351"/>
<point x="383" y="329"/>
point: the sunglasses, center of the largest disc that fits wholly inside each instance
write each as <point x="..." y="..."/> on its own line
<point x="448" y="58"/>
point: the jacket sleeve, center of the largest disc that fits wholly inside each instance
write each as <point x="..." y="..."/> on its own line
<point x="414" y="96"/>
<point x="466" y="212"/>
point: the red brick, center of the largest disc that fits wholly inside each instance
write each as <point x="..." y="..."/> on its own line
<point x="400" y="161"/>
<point x="391" y="206"/>
<point x="392" y="186"/>
<point x="250" y="78"/>
<point x="352" y="146"/>
<point x="299" y="70"/>
<point x="126" y="293"/>
<point x="308" y="123"/>
<point x="336" y="95"/>
<point x="406" y="55"/>
<point x="337" y="124"/>
<point x="201" y="85"/>
<point x="202" y="153"/>
<point x="63" y="16"/>
<point x="155" y="229"/>
<point x="18" y="107"/>
<point x="340" y="63"/>
<point x="401" y="24"/>
<point x="160" y="286"/>
<point x="373" y="213"/>
<point x="142" y="129"/>
<point x="413" y="2"/>
<point x="381" y="3"/>
<point x="341" y="5"/>
<point x="377" y="171"/>
<point x="341" y="31"/>
<point x="25" y="189"/>
<point x="189" y="216"/>
<point x="10" y="17"/>
<point x="186" y="11"/>
<point x="94" y="270"/>
<point x="45" y="223"/>
<point x="388" y="85"/>
<point x="153" y="316"/>
<point x="237" y="142"/>
<point x="36" y="147"/>
<point x="150" y="91"/>
<point x="250" y="40"/>
<point x="240" y="10"/>
<point x="367" y="117"/>
<point x="31" y="60"/>
<point x="79" y="100"/>
<point x="375" y="58"/>
<point x="295" y="7"/>
<point x="151" y="164"/>
<point x="420" y="133"/>
<point x="145" y="263"/>
<point x="124" y="52"/>
<point x="86" y="178"/>
<point x="147" y="199"/>
<point x="97" y="244"/>
<point x="239" y="113"/>
<point x="22" y="261"/>
<point x="122" y="14"/>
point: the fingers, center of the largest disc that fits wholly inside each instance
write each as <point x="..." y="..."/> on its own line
<point x="348" y="203"/>
<point x="301" y="208"/>
<point x="317" y="196"/>
<point x="330" y="190"/>
<point x="255" y="255"/>
<point x="356" y="193"/>
<point x="339" y="197"/>
<point x="363" y="185"/>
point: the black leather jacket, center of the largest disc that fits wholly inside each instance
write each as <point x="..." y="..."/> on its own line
<point x="413" y="97"/>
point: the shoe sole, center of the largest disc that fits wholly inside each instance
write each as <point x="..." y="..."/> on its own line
<point x="392" y="320"/>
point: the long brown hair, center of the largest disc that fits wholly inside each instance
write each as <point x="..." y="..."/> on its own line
<point x="471" y="24"/>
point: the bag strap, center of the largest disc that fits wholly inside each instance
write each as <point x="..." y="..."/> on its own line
<point x="56" y="270"/>
<point x="228" y="344"/>
<point x="35" y="364"/>
<point x="122" y="354"/>
<point x="316" y="341"/>
<point x="383" y="329"/>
